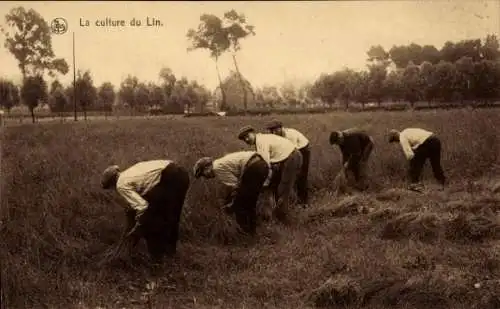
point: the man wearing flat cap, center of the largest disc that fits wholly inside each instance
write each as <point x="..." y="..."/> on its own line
<point x="155" y="191"/>
<point x="302" y="144"/>
<point x="419" y="145"/>
<point x="285" y="161"/>
<point x="356" y="146"/>
<point x="244" y="174"/>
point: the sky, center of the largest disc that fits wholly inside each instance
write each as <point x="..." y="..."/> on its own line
<point x="295" y="41"/>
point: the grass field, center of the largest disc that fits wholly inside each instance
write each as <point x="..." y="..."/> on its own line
<point x="386" y="248"/>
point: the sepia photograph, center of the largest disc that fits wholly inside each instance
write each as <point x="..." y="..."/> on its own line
<point x="250" y="154"/>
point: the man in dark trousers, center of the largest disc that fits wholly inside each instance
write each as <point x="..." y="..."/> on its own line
<point x="155" y="192"/>
<point x="285" y="161"/>
<point x="356" y="146"/>
<point x="419" y="145"/>
<point x="302" y="144"/>
<point x="244" y="174"/>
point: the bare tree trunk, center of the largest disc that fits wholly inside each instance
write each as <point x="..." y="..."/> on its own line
<point x="242" y="83"/>
<point x="222" y="91"/>
<point x="32" y="110"/>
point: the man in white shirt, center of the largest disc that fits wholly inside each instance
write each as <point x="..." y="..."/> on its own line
<point x="419" y="145"/>
<point x="244" y="174"/>
<point x="155" y="192"/>
<point x="302" y="144"/>
<point x="285" y="161"/>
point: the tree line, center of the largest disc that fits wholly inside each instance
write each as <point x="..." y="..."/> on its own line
<point x="464" y="71"/>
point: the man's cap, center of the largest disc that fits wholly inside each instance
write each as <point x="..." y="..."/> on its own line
<point x="334" y="137"/>
<point x="244" y="131"/>
<point x="109" y="175"/>
<point x="274" y="124"/>
<point x="200" y="165"/>
<point x="392" y="136"/>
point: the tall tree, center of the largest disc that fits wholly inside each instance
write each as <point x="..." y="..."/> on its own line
<point x="127" y="92"/>
<point x="326" y="88"/>
<point x="465" y="78"/>
<point x="142" y="97"/>
<point x="34" y="91"/>
<point x="9" y="94"/>
<point x="361" y="90"/>
<point x="156" y="96"/>
<point x="290" y="94"/>
<point x="57" y="99"/>
<point x="86" y="93"/>
<point x="168" y="80"/>
<point x="446" y="76"/>
<point x="29" y="41"/>
<point x="271" y="96"/>
<point x="378" y="61"/>
<point x="238" y="29"/>
<point x="411" y="84"/>
<point x="428" y="83"/>
<point x="490" y="49"/>
<point x="211" y="35"/>
<point x="106" y="97"/>
<point x="393" y="85"/>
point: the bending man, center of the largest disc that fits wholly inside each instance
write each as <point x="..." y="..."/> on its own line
<point x="155" y="191"/>
<point x="419" y="145"/>
<point x="285" y="161"/>
<point x="356" y="147"/>
<point x="244" y="174"/>
<point x="302" y="144"/>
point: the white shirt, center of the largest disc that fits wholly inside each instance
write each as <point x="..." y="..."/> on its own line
<point x="137" y="180"/>
<point x="229" y="168"/>
<point x="297" y="138"/>
<point x="411" y="138"/>
<point x="273" y="148"/>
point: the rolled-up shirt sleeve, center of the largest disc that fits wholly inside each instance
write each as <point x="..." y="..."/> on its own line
<point x="133" y="198"/>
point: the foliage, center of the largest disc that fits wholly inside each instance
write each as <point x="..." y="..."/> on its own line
<point x="28" y="39"/>
<point x="57" y="98"/>
<point x="9" y="94"/>
<point x="33" y="92"/>
<point x="106" y="96"/>
<point x="86" y="93"/>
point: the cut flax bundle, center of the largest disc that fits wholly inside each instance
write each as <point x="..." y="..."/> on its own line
<point x="341" y="181"/>
<point x="126" y="242"/>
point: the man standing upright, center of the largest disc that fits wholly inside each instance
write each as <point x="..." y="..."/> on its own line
<point x="419" y="145"/>
<point x="155" y="191"/>
<point x="302" y="144"/>
<point x="356" y="147"/>
<point x="285" y="161"/>
<point x="244" y="174"/>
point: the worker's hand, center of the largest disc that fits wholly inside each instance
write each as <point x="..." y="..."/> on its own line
<point x="410" y="157"/>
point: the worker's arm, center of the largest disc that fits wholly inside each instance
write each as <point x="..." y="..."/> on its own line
<point x="405" y="144"/>
<point x="133" y="198"/>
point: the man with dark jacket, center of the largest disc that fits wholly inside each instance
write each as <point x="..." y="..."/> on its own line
<point x="244" y="174"/>
<point x="285" y="161"/>
<point x="356" y="146"/>
<point x="155" y="192"/>
<point x="302" y="144"/>
<point x="419" y="145"/>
